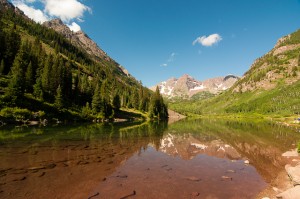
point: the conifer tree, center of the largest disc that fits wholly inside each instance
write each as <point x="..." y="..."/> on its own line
<point x="12" y="45"/>
<point x="135" y="100"/>
<point x="2" y="67"/>
<point x="116" y="102"/>
<point x="38" y="90"/>
<point x="97" y="101"/>
<point x="158" y="108"/>
<point x="16" y="83"/>
<point x="59" y="102"/>
<point x="29" y="77"/>
<point x="46" y="73"/>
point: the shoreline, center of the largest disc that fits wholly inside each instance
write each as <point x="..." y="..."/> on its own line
<point x="282" y="182"/>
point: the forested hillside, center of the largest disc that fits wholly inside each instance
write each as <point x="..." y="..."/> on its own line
<point x="270" y="87"/>
<point x="43" y="75"/>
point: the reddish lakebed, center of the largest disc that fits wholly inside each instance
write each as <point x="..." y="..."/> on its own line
<point x="187" y="159"/>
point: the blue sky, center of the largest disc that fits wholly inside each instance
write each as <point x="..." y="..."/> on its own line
<point x="159" y="39"/>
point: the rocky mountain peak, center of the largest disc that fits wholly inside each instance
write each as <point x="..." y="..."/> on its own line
<point x="186" y="86"/>
<point x="79" y="39"/>
<point x="4" y="4"/>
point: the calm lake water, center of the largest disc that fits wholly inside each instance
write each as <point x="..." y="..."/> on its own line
<point x="186" y="159"/>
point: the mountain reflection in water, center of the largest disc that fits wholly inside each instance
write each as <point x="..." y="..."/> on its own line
<point x="190" y="158"/>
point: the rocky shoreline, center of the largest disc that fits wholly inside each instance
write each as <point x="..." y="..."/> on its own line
<point x="294" y="174"/>
<point x="287" y="183"/>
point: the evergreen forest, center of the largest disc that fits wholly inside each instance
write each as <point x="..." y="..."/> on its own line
<point x="44" y="76"/>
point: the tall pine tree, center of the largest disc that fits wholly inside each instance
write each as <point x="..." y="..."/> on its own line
<point x="59" y="101"/>
<point x="96" y="101"/>
<point x="16" y="84"/>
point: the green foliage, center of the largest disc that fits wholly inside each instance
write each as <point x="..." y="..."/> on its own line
<point x="97" y="101"/>
<point x="29" y="77"/>
<point x="298" y="147"/>
<point x="59" y="78"/>
<point x="283" y="100"/>
<point x="86" y="111"/>
<point x="116" y="102"/>
<point x="16" y="84"/>
<point x="38" y="90"/>
<point x="2" y="67"/>
<point x="158" y="108"/>
<point x="15" y="114"/>
<point x="294" y="38"/>
<point x="59" y="101"/>
<point x="202" y="96"/>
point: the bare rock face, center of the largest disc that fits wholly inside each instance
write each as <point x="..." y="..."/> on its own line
<point x="186" y="86"/>
<point x="79" y="39"/>
<point x="4" y="4"/>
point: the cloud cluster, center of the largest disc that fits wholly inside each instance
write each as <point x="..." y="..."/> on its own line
<point x="170" y="59"/>
<point x="66" y="10"/>
<point x="35" y="14"/>
<point x="74" y="27"/>
<point x="209" y="40"/>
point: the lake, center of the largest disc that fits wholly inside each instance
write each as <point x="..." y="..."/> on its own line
<point x="187" y="159"/>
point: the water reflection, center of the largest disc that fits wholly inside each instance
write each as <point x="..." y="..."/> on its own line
<point x="190" y="158"/>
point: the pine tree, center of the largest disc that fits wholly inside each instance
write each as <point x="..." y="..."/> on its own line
<point x="158" y="107"/>
<point x="116" y="102"/>
<point x="29" y="77"/>
<point x="107" y="110"/>
<point x="2" y="67"/>
<point x="12" y="46"/>
<point x="135" y="100"/>
<point x="46" y="73"/>
<point x="59" y="102"/>
<point x="104" y="90"/>
<point x="86" y="111"/>
<point x="96" y="101"/>
<point x="38" y="90"/>
<point x="16" y="83"/>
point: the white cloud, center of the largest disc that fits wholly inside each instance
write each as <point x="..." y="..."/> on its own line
<point x="35" y="14"/>
<point x="170" y="59"/>
<point x="74" y="27"/>
<point x="209" y="40"/>
<point x="30" y="1"/>
<point x="65" y="9"/>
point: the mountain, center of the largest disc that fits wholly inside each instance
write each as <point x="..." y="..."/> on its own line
<point x="47" y="71"/>
<point x="280" y="64"/>
<point x="79" y="39"/>
<point x="187" y="147"/>
<point x="270" y="87"/>
<point x="82" y="41"/>
<point x="186" y="86"/>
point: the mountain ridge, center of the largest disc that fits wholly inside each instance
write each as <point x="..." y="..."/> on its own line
<point x="270" y="87"/>
<point x="186" y="86"/>
<point x="62" y="75"/>
<point x="83" y="41"/>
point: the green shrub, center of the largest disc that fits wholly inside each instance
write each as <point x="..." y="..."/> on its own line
<point x="15" y="113"/>
<point x="298" y="147"/>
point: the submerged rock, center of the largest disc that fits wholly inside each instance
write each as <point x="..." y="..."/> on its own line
<point x="193" y="178"/>
<point x="293" y="193"/>
<point x="292" y="153"/>
<point x="294" y="174"/>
